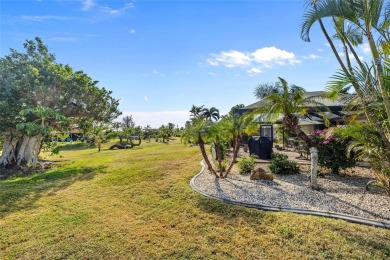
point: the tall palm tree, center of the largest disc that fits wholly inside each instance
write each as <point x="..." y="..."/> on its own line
<point x="196" y="111"/>
<point x="370" y="20"/>
<point x="365" y="15"/>
<point x="210" y="114"/>
<point x="281" y="98"/>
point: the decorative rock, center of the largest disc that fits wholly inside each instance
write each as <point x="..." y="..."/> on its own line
<point x="261" y="174"/>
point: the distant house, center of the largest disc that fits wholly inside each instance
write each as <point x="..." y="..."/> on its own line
<point x="334" y="110"/>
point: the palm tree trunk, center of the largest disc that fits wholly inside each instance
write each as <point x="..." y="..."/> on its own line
<point x="205" y="157"/>
<point x="219" y="154"/>
<point x="235" y="152"/>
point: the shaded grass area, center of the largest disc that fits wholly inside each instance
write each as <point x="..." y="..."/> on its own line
<point x="137" y="203"/>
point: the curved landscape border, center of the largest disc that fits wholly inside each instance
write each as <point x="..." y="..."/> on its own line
<point x="329" y="214"/>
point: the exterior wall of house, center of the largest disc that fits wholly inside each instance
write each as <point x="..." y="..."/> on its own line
<point x="308" y="128"/>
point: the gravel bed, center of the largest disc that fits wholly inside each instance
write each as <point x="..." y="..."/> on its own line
<point x="344" y="194"/>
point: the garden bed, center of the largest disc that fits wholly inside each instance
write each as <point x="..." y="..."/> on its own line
<point x="344" y="193"/>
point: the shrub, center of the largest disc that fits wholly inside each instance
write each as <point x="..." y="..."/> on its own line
<point x="280" y="164"/>
<point x="332" y="151"/>
<point x="246" y="164"/>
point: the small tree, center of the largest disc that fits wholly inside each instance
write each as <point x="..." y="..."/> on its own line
<point x="197" y="132"/>
<point x="281" y="98"/>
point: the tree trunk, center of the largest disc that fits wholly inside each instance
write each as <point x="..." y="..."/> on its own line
<point x="235" y="152"/>
<point x="219" y="155"/>
<point x="7" y="157"/>
<point x="313" y="167"/>
<point x="28" y="151"/>
<point x="205" y="157"/>
<point x="20" y="151"/>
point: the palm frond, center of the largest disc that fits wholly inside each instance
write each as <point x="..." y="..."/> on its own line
<point x="319" y="10"/>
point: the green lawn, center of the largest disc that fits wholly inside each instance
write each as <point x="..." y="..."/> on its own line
<point x="138" y="204"/>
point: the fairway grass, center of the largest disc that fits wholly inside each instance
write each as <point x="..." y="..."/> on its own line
<point x="137" y="203"/>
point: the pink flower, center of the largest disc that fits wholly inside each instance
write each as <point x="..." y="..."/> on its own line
<point x="325" y="142"/>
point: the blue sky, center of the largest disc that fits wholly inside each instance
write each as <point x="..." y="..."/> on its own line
<point x="160" y="57"/>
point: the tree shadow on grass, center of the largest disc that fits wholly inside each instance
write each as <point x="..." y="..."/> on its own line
<point x="377" y="244"/>
<point x="77" y="147"/>
<point x="21" y="193"/>
<point x="227" y="211"/>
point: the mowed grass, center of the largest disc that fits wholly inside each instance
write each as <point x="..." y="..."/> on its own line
<point x="137" y="203"/>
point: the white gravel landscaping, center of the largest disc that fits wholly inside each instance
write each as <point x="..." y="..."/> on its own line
<point x="344" y="194"/>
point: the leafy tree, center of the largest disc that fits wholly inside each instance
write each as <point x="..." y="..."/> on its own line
<point x="171" y="129"/>
<point x="355" y="21"/>
<point x="38" y="95"/>
<point x="235" y="108"/>
<point x="281" y="98"/>
<point x="128" y="128"/>
<point x="164" y="133"/>
<point x="128" y="122"/>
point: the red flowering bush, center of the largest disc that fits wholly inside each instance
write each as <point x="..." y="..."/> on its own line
<point x="332" y="151"/>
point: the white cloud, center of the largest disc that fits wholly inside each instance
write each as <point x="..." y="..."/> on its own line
<point x="312" y="56"/>
<point x="254" y="71"/>
<point x="146" y="98"/>
<point x="132" y="31"/>
<point x="118" y="11"/>
<point x="87" y="5"/>
<point x="271" y="54"/>
<point x="365" y="47"/>
<point x="63" y="39"/>
<point x="351" y="56"/>
<point x="158" y="73"/>
<point x="265" y="57"/>
<point x="230" y="59"/>
<point x="320" y="50"/>
<point x="42" y="18"/>
<point x="158" y="118"/>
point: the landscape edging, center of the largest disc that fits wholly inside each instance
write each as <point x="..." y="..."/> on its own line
<point x="335" y="215"/>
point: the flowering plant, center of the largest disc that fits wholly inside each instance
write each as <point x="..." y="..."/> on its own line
<point x="332" y="150"/>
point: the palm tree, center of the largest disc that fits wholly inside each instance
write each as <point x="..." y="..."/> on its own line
<point x="196" y="111"/>
<point x="232" y="128"/>
<point x="210" y="114"/>
<point x="199" y="132"/>
<point x="370" y="20"/>
<point x="281" y="98"/>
